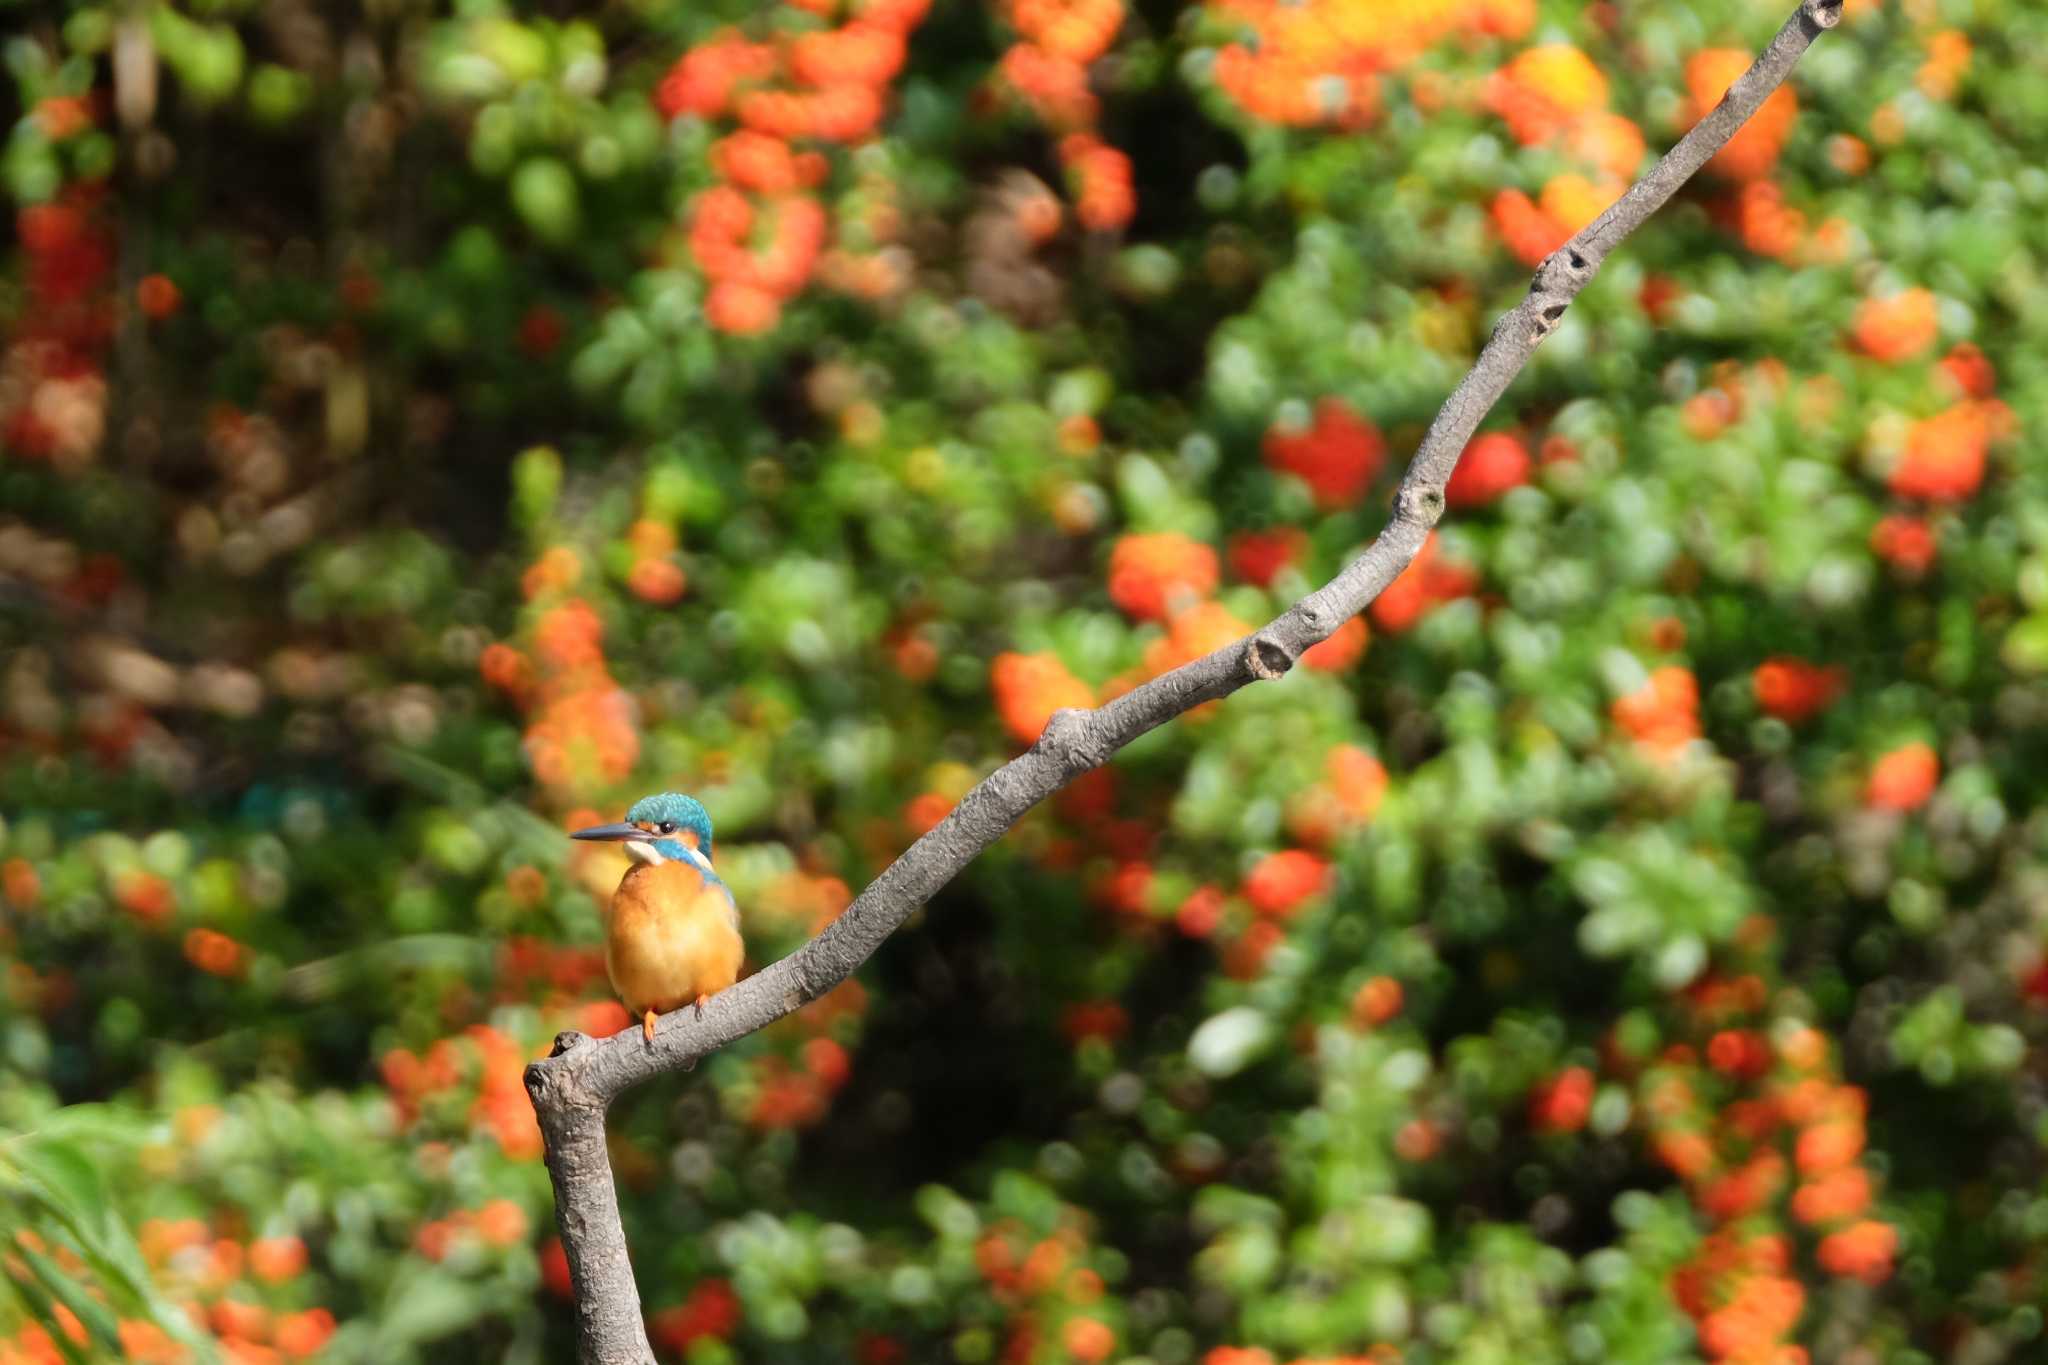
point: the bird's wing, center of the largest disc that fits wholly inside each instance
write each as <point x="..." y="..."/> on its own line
<point x="732" y="907"/>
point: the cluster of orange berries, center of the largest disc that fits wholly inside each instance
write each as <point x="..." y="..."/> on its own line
<point x="1104" y="198"/>
<point x="1124" y="881"/>
<point x="1758" y="213"/>
<point x="583" y="735"/>
<point x="53" y="397"/>
<point x="1948" y="60"/>
<point x="750" y="284"/>
<point x="1168" y="578"/>
<point x="655" y="577"/>
<point x="1048" y="1289"/>
<point x="1153" y="577"/>
<point x="797" y="1093"/>
<point x="1277" y="888"/>
<point x="498" y="1223"/>
<point x="1089" y="806"/>
<point x="1554" y="95"/>
<point x="199" y="1269"/>
<point x="1737" y="1290"/>
<point x="1279" y="884"/>
<point x="1259" y="557"/>
<point x="1029" y="688"/>
<point x="482" y="1065"/>
<point x="1663" y="715"/>
<point x="1338" y="456"/>
<point x="152" y="900"/>
<point x="1940" y="458"/>
<point x="1193" y="631"/>
<point x="1733" y="1160"/>
<point x="1318" y="63"/>
<point x="1944" y="455"/>
<point x="1353" y="785"/>
<point x="564" y="970"/>
<point x="1429" y="581"/>
<point x="760" y="234"/>
<point x="1047" y="69"/>
<point x="711" y="1312"/>
<point x="1379" y="1354"/>
<point x="1753" y="152"/>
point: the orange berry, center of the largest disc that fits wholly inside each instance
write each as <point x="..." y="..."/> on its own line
<point x="1029" y="688"/>
<point x="276" y="1259"/>
<point x="1862" y="1251"/>
<point x="157" y="297"/>
<point x="1896" y="327"/>
<point x="1344" y="648"/>
<point x="1490" y="465"/>
<point x="1149" y="575"/>
<point x="1753" y="151"/>
<point x="1903" y="779"/>
<point x="1281" y="882"/>
<point x="660" y="582"/>
<point x="1377" y="1001"/>
<point x="501" y="1223"/>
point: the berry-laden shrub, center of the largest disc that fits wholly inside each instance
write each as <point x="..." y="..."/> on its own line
<point x="424" y="429"/>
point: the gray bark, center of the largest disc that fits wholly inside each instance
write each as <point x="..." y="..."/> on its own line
<point x="572" y="1088"/>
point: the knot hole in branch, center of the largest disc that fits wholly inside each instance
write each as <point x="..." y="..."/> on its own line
<point x="1824" y="13"/>
<point x="1424" y="505"/>
<point x="1267" y="658"/>
<point x="1567" y="261"/>
<point x="540" y="1084"/>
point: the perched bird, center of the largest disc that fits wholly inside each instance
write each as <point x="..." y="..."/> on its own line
<point x="672" y="936"/>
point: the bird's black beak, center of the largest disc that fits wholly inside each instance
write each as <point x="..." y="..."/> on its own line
<point x="611" y="833"/>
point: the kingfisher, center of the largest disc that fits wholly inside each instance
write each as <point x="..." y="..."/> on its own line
<point x="672" y="935"/>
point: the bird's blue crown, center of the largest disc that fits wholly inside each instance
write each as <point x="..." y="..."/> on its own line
<point x="679" y="823"/>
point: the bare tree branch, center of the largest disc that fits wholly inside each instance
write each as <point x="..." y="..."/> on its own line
<point x="572" y="1088"/>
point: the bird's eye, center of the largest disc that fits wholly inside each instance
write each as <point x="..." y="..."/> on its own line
<point x="668" y="827"/>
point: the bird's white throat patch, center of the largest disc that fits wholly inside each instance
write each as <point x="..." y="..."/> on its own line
<point x="644" y="851"/>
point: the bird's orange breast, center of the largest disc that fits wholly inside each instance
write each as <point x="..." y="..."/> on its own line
<point x="673" y="936"/>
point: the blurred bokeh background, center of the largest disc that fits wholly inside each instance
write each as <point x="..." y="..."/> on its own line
<point x="426" y="426"/>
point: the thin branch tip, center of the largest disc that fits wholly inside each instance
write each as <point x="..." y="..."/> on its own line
<point x="1823" y="14"/>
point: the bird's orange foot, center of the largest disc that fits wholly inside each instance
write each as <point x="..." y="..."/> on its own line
<point x="700" y="1005"/>
<point x="647" y="1025"/>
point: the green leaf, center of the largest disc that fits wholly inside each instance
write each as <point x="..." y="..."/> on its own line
<point x="93" y="1314"/>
